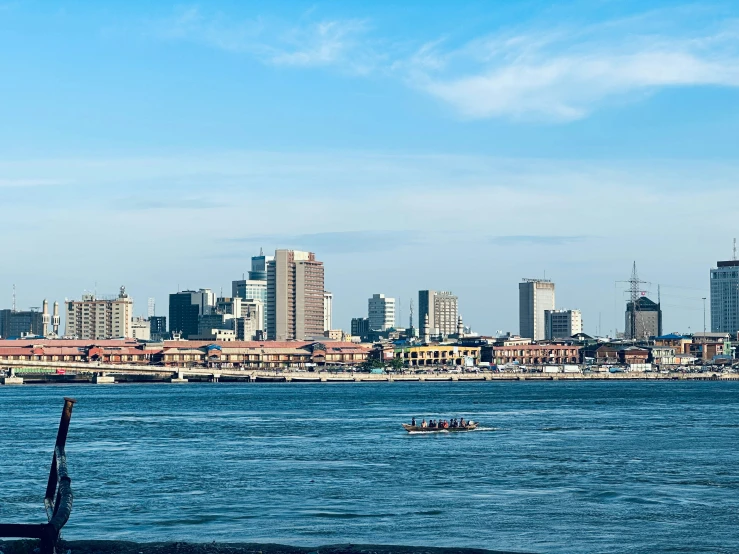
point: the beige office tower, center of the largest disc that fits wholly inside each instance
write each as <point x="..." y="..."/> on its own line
<point x="100" y="318"/>
<point x="535" y="297"/>
<point x="295" y="296"/>
<point x="437" y="312"/>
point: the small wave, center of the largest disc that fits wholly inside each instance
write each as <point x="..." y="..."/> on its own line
<point x="344" y="515"/>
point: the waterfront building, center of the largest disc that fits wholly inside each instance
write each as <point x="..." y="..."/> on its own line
<point x="140" y="328"/>
<point x="646" y="317"/>
<point x="360" y="327"/>
<point x="437" y="313"/>
<point x="17" y="323"/>
<point x="381" y="312"/>
<point x="186" y="307"/>
<point x="535" y="297"/>
<point x="328" y="310"/>
<point x="560" y="324"/>
<point x="295" y="296"/>
<point x="533" y="354"/>
<point x="725" y="297"/>
<point x="100" y="318"/>
<point x="438" y="354"/>
<point x="158" y="327"/>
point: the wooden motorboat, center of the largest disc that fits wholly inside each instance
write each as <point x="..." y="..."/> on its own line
<point x="418" y="429"/>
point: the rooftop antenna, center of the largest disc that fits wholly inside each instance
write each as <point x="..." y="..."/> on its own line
<point x="14" y="297"/>
<point x="261" y="251"/>
<point x="734" y="258"/>
<point x="410" y="319"/>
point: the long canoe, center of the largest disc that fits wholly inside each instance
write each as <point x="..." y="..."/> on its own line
<point x="419" y="429"/>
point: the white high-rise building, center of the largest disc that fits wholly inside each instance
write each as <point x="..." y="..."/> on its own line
<point x="725" y="297"/>
<point x="97" y="318"/>
<point x="381" y="312"/>
<point x="328" y="310"/>
<point x="561" y="324"/>
<point x="535" y="297"/>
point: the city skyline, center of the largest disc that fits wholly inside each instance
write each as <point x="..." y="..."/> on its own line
<point x="401" y="319"/>
<point x="185" y="137"/>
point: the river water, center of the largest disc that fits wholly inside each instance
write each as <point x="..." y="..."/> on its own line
<point x="567" y="467"/>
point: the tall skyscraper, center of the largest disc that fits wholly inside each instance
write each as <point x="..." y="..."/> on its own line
<point x="725" y="297"/>
<point x="381" y="312"/>
<point x="100" y="318"/>
<point x="535" y="296"/>
<point x="437" y="312"/>
<point x="295" y="296"/>
<point x="186" y="307"/>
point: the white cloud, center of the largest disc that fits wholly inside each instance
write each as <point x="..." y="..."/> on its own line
<point x="560" y="75"/>
<point x="330" y="42"/>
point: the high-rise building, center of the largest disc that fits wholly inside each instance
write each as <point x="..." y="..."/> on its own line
<point x="328" y="310"/>
<point x="100" y="318"/>
<point x="295" y="296"/>
<point x="381" y="312"/>
<point x="535" y="296"/>
<point x="186" y="307"/>
<point x="140" y="328"/>
<point x="15" y="324"/>
<point x="437" y="312"/>
<point x="725" y="297"/>
<point x="561" y="324"/>
<point x="255" y="287"/>
<point x="360" y="327"/>
<point x="647" y="317"/>
<point x="259" y="267"/>
<point x="158" y="327"/>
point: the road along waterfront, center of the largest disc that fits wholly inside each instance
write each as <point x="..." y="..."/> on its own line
<point x="580" y="467"/>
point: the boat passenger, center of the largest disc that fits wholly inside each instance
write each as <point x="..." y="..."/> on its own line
<point x="446" y="424"/>
<point x="461" y="422"/>
<point x="413" y="421"/>
<point x="424" y="424"/>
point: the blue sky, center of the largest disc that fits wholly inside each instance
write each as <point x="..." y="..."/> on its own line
<point x="449" y="145"/>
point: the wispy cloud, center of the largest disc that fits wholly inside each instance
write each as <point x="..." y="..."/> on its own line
<point x="337" y="242"/>
<point x="545" y="240"/>
<point x="327" y="42"/>
<point x="564" y="74"/>
<point x="24" y="183"/>
<point x="553" y="72"/>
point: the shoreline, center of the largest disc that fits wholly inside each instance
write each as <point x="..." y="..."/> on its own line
<point x="23" y="546"/>
<point x="206" y="375"/>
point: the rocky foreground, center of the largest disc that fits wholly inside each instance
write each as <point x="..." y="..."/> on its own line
<point x="121" y="547"/>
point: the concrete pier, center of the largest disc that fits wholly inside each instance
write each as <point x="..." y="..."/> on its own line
<point x="103" y="379"/>
<point x="12" y="379"/>
<point x="178" y="378"/>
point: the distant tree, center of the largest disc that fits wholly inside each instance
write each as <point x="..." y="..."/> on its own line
<point x="372" y="363"/>
<point x="397" y="364"/>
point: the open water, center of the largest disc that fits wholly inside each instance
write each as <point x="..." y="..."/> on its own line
<point x="567" y="467"/>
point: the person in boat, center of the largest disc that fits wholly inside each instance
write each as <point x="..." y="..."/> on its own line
<point x="413" y="421"/>
<point x="424" y="424"/>
<point x="461" y="422"/>
<point x="446" y="424"/>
